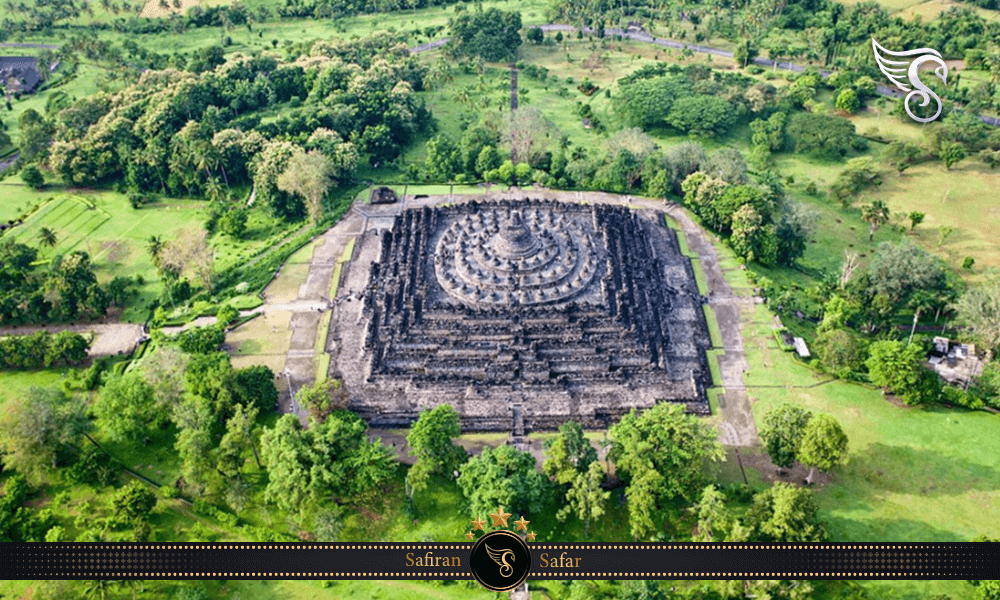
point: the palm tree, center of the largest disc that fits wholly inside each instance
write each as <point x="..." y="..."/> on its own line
<point x="47" y="237"/>
<point x="154" y="245"/>
<point x="98" y="588"/>
<point x="875" y="214"/>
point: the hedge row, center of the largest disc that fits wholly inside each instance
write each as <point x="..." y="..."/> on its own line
<point x="42" y="349"/>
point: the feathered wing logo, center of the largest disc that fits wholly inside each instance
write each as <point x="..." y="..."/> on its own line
<point x="500" y="558"/>
<point x="894" y="70"/>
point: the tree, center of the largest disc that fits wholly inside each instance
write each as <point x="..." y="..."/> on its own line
<point x="528" y="129"/>
<point x="661" y="454"/>
<point x="847" y="101"/>
<point x="333" y="460"/>
<point x="796" y="226"/>
<point x="492" y="34"/>
<point x="487" y="160"/>
<point x="430" y="440"/>
<point x="979" y="310"/>
<point x="32" y="177"/>
<point x="234" y="222"/>
<point x="745" y="51"/>
<point x="568" y="454"/>
<point x="860" y="174"/>
<point x="47" y="237"/>
<point x="728" y="165"/>
<point x="194" y="445"/>
<point x="254" y="386"/>
<point x="716" y="523"/>
<point x="823" y="445"/>
<point x="311" y="176"/>
<point x="536" y="35"/>
<point x="135" y="501"/>
<point x="127" y="407"/>
<point x="702" y="115"/>
<point x="841" y="351"/>
<point x="163" y="370"/>
<point x="647" y="102"/>
<point x="752" y="239"/>
<point x="506" y="477"/>
<point x="898" y="271"/>
<point x="189" y="254"/>
<point x="875" y="214"/>
<point x="821" y="135"/>
<point x="444" y="158"/>
<point x="916" y="218"/>
<point x="321" y="398"/>
<point x="785" y="513"/>
<point x="782" y="433"/>
<point x="42" y="426"/>
<point x="951" y="154"/>
<point x="585" y="498"/>
<point x="899" y="369"/>
<point x="236" y="441"/>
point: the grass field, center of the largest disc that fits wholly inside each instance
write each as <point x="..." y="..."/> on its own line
<point x="112" y="232"/>
<point x="913" y="474"/>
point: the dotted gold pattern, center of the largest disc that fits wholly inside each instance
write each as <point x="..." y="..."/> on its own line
<point x="190" y="560"/>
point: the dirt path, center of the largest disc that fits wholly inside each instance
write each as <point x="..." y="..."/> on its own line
<point x="109" y="338"/>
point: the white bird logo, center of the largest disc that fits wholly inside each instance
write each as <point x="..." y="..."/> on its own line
<point x="500" y="558"/>
<point x="894" y="70"/>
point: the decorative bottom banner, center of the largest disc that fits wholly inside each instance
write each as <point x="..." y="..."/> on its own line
<point x="499" y="560"/>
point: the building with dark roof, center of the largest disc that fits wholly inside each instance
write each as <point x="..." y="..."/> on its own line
<point x="19" y="74"/>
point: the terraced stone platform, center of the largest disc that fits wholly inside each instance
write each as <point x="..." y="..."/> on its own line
<point x="523" y="314"/>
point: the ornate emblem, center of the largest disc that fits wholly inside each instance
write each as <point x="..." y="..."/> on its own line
<point x="894" y="70"/>
<point x="500" y="558"/>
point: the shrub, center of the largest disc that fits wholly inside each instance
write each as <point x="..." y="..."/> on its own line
<point x="32" y="177"/>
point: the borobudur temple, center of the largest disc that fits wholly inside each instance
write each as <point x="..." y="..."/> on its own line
<point x="523" y="315"/>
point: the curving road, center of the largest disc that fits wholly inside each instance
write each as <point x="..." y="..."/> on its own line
<point x="642" y="36"/>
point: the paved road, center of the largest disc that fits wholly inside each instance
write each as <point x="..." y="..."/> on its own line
<point x="29" y="46"/>
<point x="642" y="36"/>
<point x="6" y="162"/>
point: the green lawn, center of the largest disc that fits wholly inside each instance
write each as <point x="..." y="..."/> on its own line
<point x="103" y="224"/>
<point x="15" y="384"/>
<point x="913" y="474"/>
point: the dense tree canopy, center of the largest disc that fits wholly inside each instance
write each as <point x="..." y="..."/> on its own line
<point x="782" y="433"/>
<point x="430" y="440"/>
<point x="492" y="34"/>
<point x="329" y="461"/>
<point x="662" y="454"/>
<point x="184" y="133"/>
<point x="42" y="427"/>
<point x="506" y="477"/>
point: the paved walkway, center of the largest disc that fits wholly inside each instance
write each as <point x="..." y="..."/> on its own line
<point x="109" y="338"/>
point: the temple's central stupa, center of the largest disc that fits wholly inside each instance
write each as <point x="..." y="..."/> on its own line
<point x="524" y="314"/>
<point x="502" y="259"/>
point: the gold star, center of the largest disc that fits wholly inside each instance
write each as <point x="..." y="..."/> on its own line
<point x="531" y="536"/>
<point x="479" y="524"/>
<point x="499" y="517"/>
<point x="522" y="525"/>
<point x="469" y="535"/>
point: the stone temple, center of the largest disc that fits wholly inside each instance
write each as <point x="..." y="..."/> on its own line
<point x="523" y="315"/>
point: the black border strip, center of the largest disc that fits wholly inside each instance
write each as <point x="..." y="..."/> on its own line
<point x="376" y="561"/>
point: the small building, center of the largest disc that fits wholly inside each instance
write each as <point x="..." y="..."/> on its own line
<point x="800" y="347"/>
<point x="383" y="195"/>
<point x="19" y="74"/>
<point x="955" y="363"/>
